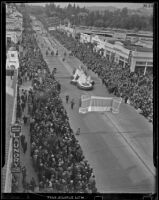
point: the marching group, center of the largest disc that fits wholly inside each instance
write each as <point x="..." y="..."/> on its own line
<point x="132" y="86"/>
<point x="56" y="154"/>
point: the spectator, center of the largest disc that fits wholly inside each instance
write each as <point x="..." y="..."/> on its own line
<point x="55" y="151"/>
<point x="67" y="98"/>
<point x="72" y="104"/>
<point x="24" y="175"/>
<point x="118" y="80"/>
<point x="78" y="131"/>
<point x="52" y="53"/>
<point x="25" y="120"/>
<point x="25" y="147"/>
<point x="32" y="184"/>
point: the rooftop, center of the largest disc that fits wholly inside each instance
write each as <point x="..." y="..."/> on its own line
<point x="140" y="35"/>
<point x="138" y="48"/>
<point x="128" y="45"/>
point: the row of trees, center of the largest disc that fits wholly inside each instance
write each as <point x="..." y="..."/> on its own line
<point x="119" y="19"/>
<point x="81" y="16"/>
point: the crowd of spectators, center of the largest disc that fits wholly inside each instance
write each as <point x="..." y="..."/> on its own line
<point x="132" y="86"/>
<point x="56" y="154"/>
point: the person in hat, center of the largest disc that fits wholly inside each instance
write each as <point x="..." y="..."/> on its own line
<point x="33" y="184"/>
<point x="72" y="104"/>
<point x="25" y="120"/>
<point x="78" y="131"/>
<point x="23" y="106"/>
<point x="12" y="73"/>
<point x="23" y="174"/>
<point x="67" y="98"/>
<point x="25" y="147"/>
<point x="22" y="137"/>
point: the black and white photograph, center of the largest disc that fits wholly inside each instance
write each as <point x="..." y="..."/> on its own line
<point x="79" y="99"/>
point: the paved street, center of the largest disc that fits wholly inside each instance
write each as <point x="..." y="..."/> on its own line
<point x="57" y="139"/>
<point x="118" y="146"/>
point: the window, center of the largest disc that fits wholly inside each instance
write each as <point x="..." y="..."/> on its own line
<point x="9" y="39"/>
<point x="121" y="63"/>
<point x="12" y="55"/>
<point x="149" y="63"/>
<point x="140" y="63"/>
<point x="121" y="58"/>
<point x="139" y="69"/>
<point x="12" y="66"/>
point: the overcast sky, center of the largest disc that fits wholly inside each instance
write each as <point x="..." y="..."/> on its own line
<point x="118" y="5"/>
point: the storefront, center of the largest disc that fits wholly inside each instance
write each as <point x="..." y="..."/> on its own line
<point x="12" y="61"/>
<point x="142" y="61"/>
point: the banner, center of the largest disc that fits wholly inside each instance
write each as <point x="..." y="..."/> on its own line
<point x="99" y="104"/>
<point x="16" y="155"/>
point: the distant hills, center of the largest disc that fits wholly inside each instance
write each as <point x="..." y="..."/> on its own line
<point x="140" y="11"/>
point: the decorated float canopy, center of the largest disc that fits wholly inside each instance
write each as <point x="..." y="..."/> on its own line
<point x="81" y="79"/>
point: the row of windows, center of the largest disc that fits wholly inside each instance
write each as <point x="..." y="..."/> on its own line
<point x="143" y="63"/>
<point x="142" y="66"/>
<point x="121" y="58"/>
<point x="149" y="63"/>
<point x="140" y="63"/>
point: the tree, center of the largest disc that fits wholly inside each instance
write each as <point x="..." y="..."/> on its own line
<point x="81" y="16"/>
<point x="124" y="12"/>
<point x="99" y="23"/>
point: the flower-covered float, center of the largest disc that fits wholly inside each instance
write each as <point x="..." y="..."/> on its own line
<point x="82" y="80"/>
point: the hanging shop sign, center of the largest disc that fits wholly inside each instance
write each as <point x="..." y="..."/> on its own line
<point x="16" y="155"/>
<point x="16" y="129"/>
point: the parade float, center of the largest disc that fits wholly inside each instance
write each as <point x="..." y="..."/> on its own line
<point x="82" y="80"/>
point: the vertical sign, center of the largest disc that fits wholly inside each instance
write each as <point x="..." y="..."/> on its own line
<point x="16" y="155"/>
<point x="16" y="129"/>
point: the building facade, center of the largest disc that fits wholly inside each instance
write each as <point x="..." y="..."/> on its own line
<point x="135" y="37"/>
<point x="13" y="33"/>
<point x="14" y="26"/>
<point x="139" y="59"/>
<point x="12" y="59"/>
<point x="119" y="35"/>
<point x="85" y="38"/>
<point x="142" y="61"/>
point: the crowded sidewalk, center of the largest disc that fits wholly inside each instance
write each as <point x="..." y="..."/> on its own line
<point x="55" y="155"/>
